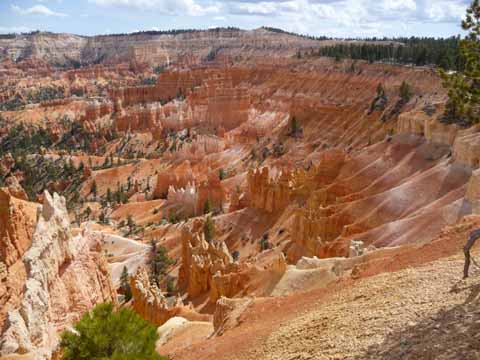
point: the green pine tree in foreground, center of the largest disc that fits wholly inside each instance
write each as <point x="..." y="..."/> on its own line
<point x="464" y="86"/>
<point x="107" y="334"/>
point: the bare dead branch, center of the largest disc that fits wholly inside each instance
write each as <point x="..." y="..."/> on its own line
<point x="474" y="235"/>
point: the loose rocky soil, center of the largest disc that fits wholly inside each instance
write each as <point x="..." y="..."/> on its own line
<point x="416" y="313"/>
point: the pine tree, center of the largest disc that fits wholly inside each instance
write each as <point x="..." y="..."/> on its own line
<point x="170" y="285"/>
<point x="130" y="223"/>
<point x="380" y="90"/>
<point x="160" y="262"/>
<point x="295" y="127"/>
<point x="153" y="245"/>
<point x="221" y="174"/>
<point x="107" y="334"/>
<point x="264" y="243"/>
<point x="125" y="284"/>
<point x="148" y="184"/>
<point x="207" y="207"/>
<point x="209" y="229"/>
<point x="93" y="189"/>
<point x="88" y="212"/>
<point x="105" y="162"/>
<point x="405" y="92"/>
<point x="463" y="87"/>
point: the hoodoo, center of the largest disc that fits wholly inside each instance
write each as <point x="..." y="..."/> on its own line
<point x="239" y="194"/>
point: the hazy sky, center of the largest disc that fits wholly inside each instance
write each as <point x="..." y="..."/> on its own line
<point x="341" y="18"/>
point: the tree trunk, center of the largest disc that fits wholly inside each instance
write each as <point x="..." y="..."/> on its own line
<point x="474" y="235"/>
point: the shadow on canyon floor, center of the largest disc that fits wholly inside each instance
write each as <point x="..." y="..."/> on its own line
<point x="452" y="333"/>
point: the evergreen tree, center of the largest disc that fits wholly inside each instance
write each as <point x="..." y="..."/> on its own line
<point x="209" y="229"/>
<point x="413" y="50"/>
<point x="207" y="207"/>
<point x="125" y="284"/>
<point x="148" y="184"/>
<point x="380" y="90"/>
<point x="221" y="174"/>
<point x="88" y="212"/>
<point x="264" y="243"/>
<point x="130" y="223"/>
<point x="405" y="92"/>
<point x="109" y="195"/>
<point x="93" y="188"/>
<point x="380" y="100"/>
<point x="102" y="218"/>
<point x="161" y="262"/>
<point x="106" y="334"/>
<point x="170" y="285"/>
<point x="295" y="127"/>
<point x="235" y="255"/>
<point x="153" y="246"/>
<point x="463" y="86"/>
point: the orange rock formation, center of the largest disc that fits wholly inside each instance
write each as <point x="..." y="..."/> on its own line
<point x="152" y="305"/>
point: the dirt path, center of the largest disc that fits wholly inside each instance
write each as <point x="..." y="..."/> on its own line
<point x="416" y="313"/>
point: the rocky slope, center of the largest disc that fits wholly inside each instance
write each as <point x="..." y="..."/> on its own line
<point x="161" y="49"/>
<point x="64" y="278"/>
<point x="409" y="303"/>
<point x="236" y="193"/>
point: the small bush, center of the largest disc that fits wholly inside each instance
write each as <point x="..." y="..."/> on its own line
<point x="207" y="207"/>
<point x="221" y="174"/>
<point x="106" y="334"/>
<point x="235" y="255"/>
<point x="264" y="243"/>
<point x="296" y="129"/>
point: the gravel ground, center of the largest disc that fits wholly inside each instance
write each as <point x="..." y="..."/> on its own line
<point x="417" y="313"/>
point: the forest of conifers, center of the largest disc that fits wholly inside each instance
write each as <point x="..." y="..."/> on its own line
<point x="441" y="52"/>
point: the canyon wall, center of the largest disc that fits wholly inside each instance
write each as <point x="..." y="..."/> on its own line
<point x="152" y="48"/>
<point x="374" y="199"/>
<point x="17" y="223"/>
<point x="65" y="277"/>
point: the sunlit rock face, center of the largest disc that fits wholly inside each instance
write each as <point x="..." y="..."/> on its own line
<point x="64" y="277"/>
<point x="368" y="204"/>
<point x="150" y="303"/>
<point x="308" y="185"/>
<point x="267" y="194"/>
<point x="201" y="261"/>
<point x="18" y="220"/>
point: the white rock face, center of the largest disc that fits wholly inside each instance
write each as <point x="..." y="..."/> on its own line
<point x="311" y="273"/>
<point x="121" y="252"/>
<point x="166" y="331"/>
<point x="54" y="262"/>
